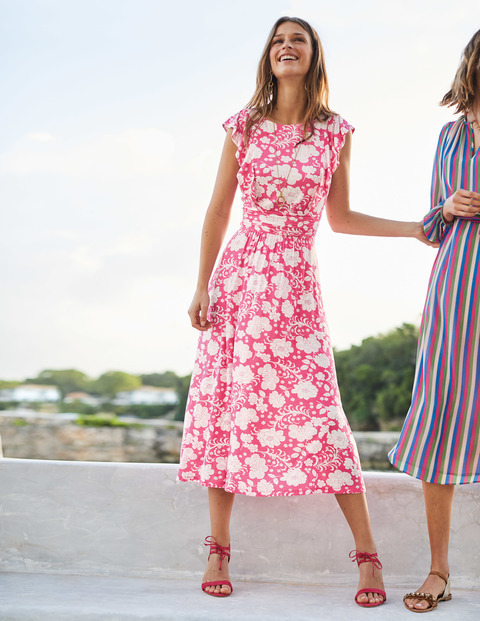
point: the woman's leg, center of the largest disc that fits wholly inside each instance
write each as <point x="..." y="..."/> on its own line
<point x="438" y="505"/>
<point x="355" y="509"/>
<point x="220" y="504"/>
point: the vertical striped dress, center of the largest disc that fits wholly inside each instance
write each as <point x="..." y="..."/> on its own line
<point x="440" y="439"/>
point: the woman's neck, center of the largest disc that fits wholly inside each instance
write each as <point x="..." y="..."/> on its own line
<point x="291" y="104"/>
<point x="474" y="112"/>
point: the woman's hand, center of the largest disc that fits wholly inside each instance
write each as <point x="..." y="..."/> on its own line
<point x="198" y="310"/>
<point x="463" y="203"/>
<point x="419" y="233"/>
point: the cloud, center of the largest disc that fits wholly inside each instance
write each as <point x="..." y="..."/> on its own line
<point x="40" y="137"/>
<point x="129" y="153"/>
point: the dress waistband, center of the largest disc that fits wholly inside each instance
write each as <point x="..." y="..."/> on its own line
<point x="282" y="226"/>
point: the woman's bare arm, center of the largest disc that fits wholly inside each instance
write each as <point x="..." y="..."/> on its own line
<point x="343" y="220"/>
<point x="214" y="228"/>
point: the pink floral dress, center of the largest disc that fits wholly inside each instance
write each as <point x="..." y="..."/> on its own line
<point x="264" y="415"/>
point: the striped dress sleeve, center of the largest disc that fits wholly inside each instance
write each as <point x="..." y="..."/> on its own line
<point x="434" y="224"/>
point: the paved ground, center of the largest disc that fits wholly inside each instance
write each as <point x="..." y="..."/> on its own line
<point x="41" y="597"/>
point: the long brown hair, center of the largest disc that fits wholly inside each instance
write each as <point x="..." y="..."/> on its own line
<point x="465" y="84"/>
<point x="264" y="98"/>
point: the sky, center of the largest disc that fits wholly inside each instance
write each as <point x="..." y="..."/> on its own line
<point x="111" y="135"/>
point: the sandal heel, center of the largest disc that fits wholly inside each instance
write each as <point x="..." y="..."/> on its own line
<point x="446" y="596"/>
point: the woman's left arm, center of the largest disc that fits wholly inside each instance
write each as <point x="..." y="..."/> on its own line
<point x="343" y="220"/>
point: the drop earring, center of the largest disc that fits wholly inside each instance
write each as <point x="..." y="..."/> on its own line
<point x="270" y="84"/>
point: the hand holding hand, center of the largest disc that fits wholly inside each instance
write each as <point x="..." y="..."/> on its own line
<point x="463" y="203"/>
<point x="198" y="311"/>
<point x="420" y="235"/>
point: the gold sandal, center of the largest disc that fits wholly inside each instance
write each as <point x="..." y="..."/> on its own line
<point x="428" y="597"/>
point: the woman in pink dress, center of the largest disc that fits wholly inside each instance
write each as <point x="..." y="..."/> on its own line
<point x="264" y="416"/>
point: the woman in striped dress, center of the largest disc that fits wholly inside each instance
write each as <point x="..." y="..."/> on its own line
<point x="440" y="439"/>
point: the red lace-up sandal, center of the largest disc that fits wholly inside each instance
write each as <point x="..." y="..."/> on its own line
<point x="365" y="557"/>
<point x="224" y="552"/>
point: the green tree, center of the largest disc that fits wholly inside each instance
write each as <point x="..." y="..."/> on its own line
<point x="66" y="380"/>
<point x="169" y="379"/>
<point x="182" y="393"/>
<point x="112" y="382"/>
<point x="8" y="384"/>
<point x="376" y="378"/>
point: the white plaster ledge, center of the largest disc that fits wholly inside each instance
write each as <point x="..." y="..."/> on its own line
<point x="123" y="519"/>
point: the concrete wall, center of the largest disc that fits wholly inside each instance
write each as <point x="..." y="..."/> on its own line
<point x="51" y="436"/>
<point x="137" y="520"/>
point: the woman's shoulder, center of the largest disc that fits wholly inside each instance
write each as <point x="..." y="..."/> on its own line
<point x="451" y="132"/>
<point x="237" y="123"/>
<point x="452" y="127"/>
<point x="239" y="118"/>
<point x="335" y="124"/>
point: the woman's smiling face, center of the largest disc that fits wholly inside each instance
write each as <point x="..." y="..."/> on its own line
<point x="290" y="51"/>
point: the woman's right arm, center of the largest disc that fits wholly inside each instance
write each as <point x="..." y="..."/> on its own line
<point x="214" y="229"/>
<point x="444" y="210"/>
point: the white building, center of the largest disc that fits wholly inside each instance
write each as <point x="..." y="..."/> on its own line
<point x="147" y="395"/>
<point x="31" y="393"/>
<point x="82" y="397"/>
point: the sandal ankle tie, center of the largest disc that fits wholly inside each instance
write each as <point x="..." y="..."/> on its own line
<point x="216" y="548"/>
<point x="366" y="557"/>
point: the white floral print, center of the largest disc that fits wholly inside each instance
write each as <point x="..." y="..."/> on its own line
<point x="307" y="301"/>
<point x="306" y="390"/>
<point x="257" y="325"/>
<point x="338" y="479"/>
<point x="281" y="348"/>
<point x="270" y="437"/>
<point x="270" y="377"/>
<point x="308" y="345"/>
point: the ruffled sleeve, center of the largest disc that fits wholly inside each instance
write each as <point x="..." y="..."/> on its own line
<point x="434" y="224"/>
<point x="345" y="127"/>
<point x="237" y="124"/>
<point x="339" y="128"/>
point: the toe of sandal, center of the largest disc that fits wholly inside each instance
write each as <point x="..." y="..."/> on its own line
<point x="218" y="583"/>
<point x="372" y="604"/>
<point x="427" y="597"/>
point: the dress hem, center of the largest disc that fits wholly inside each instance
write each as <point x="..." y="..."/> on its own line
<point x="413" y="472"/>
<point x="287" y="494"/>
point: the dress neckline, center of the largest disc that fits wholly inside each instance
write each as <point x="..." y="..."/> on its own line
<point x="474" y="151"/>
<point x="283" y="124"/>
